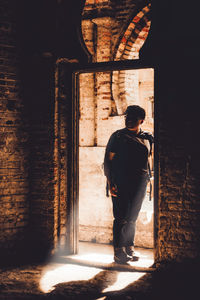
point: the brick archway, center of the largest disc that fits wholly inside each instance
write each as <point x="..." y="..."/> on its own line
<point x="134" y="36"/>
<point x="129" y="47"/>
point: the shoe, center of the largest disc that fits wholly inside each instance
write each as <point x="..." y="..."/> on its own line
<point x="130" y="252"/>
<point x="120" y="256"/>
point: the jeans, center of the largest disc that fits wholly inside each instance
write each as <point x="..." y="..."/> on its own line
<point x="126" y="208"/>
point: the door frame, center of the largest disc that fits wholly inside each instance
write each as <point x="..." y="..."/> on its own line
<point x="73" y="199"/>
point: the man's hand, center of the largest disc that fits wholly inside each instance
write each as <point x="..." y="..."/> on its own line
<point x="113" y="190"/>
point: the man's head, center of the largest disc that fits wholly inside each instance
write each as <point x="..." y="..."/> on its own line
<point x="134" y="115"/>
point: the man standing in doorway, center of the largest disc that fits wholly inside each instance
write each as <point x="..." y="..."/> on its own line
<point x="127" y="171"/>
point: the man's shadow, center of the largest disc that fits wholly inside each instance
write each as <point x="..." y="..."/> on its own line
<point x="84" y="289"/>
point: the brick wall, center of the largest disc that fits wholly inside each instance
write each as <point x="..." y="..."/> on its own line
<point x="178" y="202"/>
<point x="38" y="93"/>
<point x="27" y="140"/>
<point x="14" y="184"/>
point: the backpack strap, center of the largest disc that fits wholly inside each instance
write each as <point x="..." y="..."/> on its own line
<point x="148" y="136"/>
<point x="107" y="189"/>
<point x="150" y="175"/>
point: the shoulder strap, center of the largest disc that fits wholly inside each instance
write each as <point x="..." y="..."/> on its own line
<point x="148" y="136"/>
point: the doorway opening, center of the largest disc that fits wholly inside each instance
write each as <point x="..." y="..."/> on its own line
<point x="103" y="98"/>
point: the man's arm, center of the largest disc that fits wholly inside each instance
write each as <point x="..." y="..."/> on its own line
<point x="108" y="172"/>
<point x="108" y="165"/>
<point x="111" y="151"/>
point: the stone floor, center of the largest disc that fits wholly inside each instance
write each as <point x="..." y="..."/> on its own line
<point x="92" y="275"/>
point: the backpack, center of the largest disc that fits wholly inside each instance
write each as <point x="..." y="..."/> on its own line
<point x="147" y="136"/>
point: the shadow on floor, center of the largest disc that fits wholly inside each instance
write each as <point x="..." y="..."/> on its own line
<point x="174" y="281"/>
<point x="84" y="289"/>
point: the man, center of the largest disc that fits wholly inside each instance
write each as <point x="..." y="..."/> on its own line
<point x="126" y="169"/>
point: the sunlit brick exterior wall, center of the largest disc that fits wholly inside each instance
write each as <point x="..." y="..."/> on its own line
<point x="96" y="125"/>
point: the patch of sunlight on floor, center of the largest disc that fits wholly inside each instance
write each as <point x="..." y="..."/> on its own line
<point x="56" y="273"/>
<point x="93" y="257"/>
<point x="144" y="261"/>
<point x="94" y="252"/>
<point x="123" y="280"/>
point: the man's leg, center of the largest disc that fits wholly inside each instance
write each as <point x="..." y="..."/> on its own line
<point x="123" y="226"/>
<point x="136" y="199"/>
<point x="126" y="208"/>
<point x="119" y="223"/>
